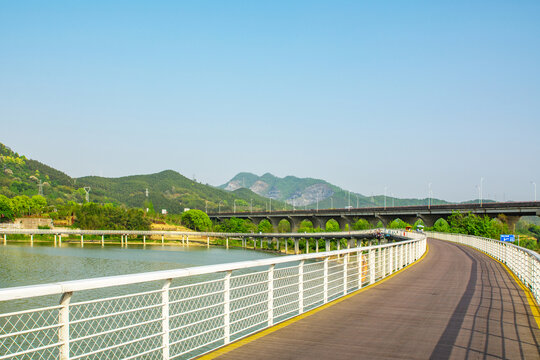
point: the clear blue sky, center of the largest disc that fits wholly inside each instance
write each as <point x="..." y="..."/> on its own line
<point x="364" y="94"/>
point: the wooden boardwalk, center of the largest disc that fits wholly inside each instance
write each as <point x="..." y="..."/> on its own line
<point x="456" y="303"/>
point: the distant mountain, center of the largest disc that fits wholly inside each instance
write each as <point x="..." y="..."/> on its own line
<point x="306" y="192"/>
<point x="166" y="190"/>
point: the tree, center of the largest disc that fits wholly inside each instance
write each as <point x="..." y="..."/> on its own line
<point x="398" y="224"/>
<point x="6" y="212"/>
<point x="332" y="226"/>
<point x="37" y="204"/>
<point x="361" y="224"/>
<point x="265" y="226"/>
<point x="441" y="225"/>
<point x="196" y="220"/>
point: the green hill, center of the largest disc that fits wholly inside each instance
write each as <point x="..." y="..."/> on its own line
<point x="307" y="192"/>
<point x="166" y="190"/>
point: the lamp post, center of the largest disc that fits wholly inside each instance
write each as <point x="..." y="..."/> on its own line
<point x="481" y="183"/>
<point x="385" y="198"/>
<point x="234" y="206"/>
<point x="219" y="206"/>
<point x="349" y="199"/>
<point x="332" y="202"/>
<point x="532" y="182"/>
<point x="251" y="206"/>
<point x="206" y="206"/>
<point x="392" y="199"/>
<point x="429" y="195"/>
<point x="357" y="201"/>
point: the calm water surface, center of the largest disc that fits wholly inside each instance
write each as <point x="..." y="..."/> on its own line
<point x="21" y="264"/>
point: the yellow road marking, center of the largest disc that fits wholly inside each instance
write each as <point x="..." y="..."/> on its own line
<point x="528" y="294"/>
<point x="235" y="345"/>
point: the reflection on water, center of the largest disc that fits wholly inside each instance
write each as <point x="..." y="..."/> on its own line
<point x="21" y="264"/>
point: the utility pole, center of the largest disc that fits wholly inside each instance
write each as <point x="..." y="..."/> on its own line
<point x="481" y="184"/>
<point x="429" y="195"/>
<point x="87" y="190"/>
<point x="532" y="182"/>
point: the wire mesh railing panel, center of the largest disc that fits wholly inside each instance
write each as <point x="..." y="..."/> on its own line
<point x="157" y="315"/>
<point x="23" y="332"/>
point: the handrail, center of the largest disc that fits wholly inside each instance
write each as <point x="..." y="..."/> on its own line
<point x="524" y="263"/>
<point x="20" y="292"/>
<point x="242" y="298"/>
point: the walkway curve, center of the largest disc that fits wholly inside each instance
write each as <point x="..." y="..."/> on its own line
<point x="456" y="303"/>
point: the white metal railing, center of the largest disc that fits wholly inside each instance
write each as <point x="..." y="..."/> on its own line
<point x="184" y="313"/>
<point x="524" y="263"/>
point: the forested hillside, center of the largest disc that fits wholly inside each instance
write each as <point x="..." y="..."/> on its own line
<point x="22" y="178"/>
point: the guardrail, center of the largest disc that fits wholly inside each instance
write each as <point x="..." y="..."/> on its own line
<point x="184" y="313"/>
<point x="524" y="263"/>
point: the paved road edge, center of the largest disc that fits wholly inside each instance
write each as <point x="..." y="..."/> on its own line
<point x="241" y="342"/>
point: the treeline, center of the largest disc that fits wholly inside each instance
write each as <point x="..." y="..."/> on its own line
<point x="110" y="217"/>
<point x="87" y="216"/>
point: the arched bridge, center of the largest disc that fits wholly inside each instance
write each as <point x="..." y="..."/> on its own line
<point x="428" y="214"/>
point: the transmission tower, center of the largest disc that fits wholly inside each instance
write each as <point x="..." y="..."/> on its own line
<point x="87" y="189"/>
<point x="40" y="186"/>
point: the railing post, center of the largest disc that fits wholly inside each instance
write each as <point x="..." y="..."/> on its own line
<point x="32" y="240"/>
<point x="63" y="330"/>
<point x="162" y="239"/>
<point x="165" y="317"/>
<point x="325" y="280"/>
<point x="371" y="266"/>
<point x="307" y="246"/>
<point x="271" y="295"/>
<point x="208" y="241"/>
<point x="59" y="239"/>
<point x="383" y="261"/>
<point x="296" y="246"/>
<point x="301" y="287"/>
<point x="345" y="262"/>
<point x="227" y="307"/>
<point x="317" y="245"/>
<point x="102" y="240"/>
<point x="359" y="264"/>
<point x="327" y="243"/>
<point x="227" y="242"/>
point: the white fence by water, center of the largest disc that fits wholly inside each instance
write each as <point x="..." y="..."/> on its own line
<point x="177" y="314"/>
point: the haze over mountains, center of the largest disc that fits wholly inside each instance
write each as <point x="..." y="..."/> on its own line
<point x="174" y="192"/>
<point x="301" y="192"/>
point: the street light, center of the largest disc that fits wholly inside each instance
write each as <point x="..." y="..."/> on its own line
<point x="251" y="206"/>
<point x="532" y="182"/>
<point x="429" y="195"/>
<point x="234" y="205"/>
<point x="357" y="201"/>
<point x="385" y="198"/>
<point x="481" y="183"/>
<point x="206" y="206"/>
<point x="219" y="206"/>
<point x="393" y="199"/>
<point x="332" y="202"/>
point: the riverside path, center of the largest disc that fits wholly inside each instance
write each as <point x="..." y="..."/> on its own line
<point x="455" y="303"/>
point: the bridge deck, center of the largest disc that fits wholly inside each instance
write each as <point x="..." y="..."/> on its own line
<point x="456" y="303"/>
